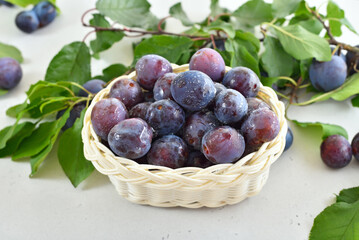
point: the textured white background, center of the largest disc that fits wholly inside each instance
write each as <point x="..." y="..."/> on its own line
<point x="48" y="207"/>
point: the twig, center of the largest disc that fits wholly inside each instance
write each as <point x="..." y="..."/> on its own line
<point x="293" y="94"/>
<point x="159" y="25"/>
<point x="213" y="42"/>
<point x="331" y="39"/>
<point x="126" y="29"/>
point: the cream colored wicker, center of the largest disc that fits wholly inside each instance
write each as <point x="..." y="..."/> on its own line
<point x="189" y="187"/>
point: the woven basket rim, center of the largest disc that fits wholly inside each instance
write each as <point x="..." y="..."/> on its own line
<point x="221" y="174"/>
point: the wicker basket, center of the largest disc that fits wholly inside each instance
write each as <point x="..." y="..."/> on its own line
<point x="189" y="187"/>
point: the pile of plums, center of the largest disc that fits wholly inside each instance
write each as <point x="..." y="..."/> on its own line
<point x="199" y="117"/>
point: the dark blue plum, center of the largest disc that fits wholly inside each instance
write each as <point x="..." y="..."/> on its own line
<point x="5" y="3"/>
<point x="140" y="110"/>
<point x="75" y="113"/>
<point x="197" y="159"/>
<point x="168" y="151"/>
<point x="230" y="106"/>
<point x="355" y="146"/>
<point x="261" y="126"/>
<point x="288" y="139"/>
<point x="148" y="96"/>
<point x="165" y="117"/>
<point x="131" y="138"/>
<point x="244" y="80"/>
<point x="209" y="62"/>
<point x="151" y="67"/>
<point x="46" y="12"/>
<point x="327" y="76"/>
<point x="10" y="73"/>
<point x="127" y="91"/>
<point x="93" y="86"/>
<point x="352" y="62"/>
<point x="219" y="88"/>
<point x="219" y="44"/>
<point x="27" y="21"/>
<point x="162" y="88"/>
<point x="193" y="90"/>
<point x="336" y="151"/>
<point x="223" y="145"/>
<point x="254" y="104"/>
<point x="196" y="126"/>
<point x="106" y="114"/>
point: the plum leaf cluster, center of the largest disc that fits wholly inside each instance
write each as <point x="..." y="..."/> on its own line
<point x="340" y="220"/>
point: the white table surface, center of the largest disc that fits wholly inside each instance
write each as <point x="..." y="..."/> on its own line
<point x="48" y="207"/>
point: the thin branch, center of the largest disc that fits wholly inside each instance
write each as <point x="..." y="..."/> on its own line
<point x="331" y="39"/>
<point x="213" y="42"/>
<point x="159" y="25"/>
<point x="88" y="34"/>
<point x="293" y="94"/>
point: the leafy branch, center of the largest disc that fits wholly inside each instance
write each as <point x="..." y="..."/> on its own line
<point x="331" y="39"/>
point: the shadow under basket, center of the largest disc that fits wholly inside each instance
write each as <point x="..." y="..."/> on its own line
<point x="189" y="187"/>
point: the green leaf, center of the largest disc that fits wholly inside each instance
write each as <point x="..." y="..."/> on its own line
<point x="338" y="221"/>
<point x="350" y="195"/>
<point x="333" y="11"/>
<point x="3" y="92"/>
<point x="269" y="81"/>
<point x="44" y="98"/>
<point x="71" y="156"/>
<point x="37" y="141"/>
<point x="38" y="158"/>
<point x="104" y="39"/>
<point x="195" y="30"/>
<point x="185" y="57"/>
<point x="40" y="137"/>
<point x="346" y="23"/>
<point x="304" y="68"/>
<point x="253" y="12"/>
<point x="7" y="50"/>
<point x="169" y="47"/>
<point x="355" y="101"/>
<point x="216" y="9"/>
<point x="326" y="129"/>
<point x="71" y="64"/>
<point x="312" y="25"/>
<point x="176" y="11"/>
<point x="21" y="131"/>
<point x="243" y="50"/>
<point x="302" y="9"/>
<point x="227" y="56"/>
<point x="302" y="44"/>
<point x="111" y="72"/>
<point x="283" y="8"/>
<point x="276" y="62"/>
<point x="221" y="25"/>
<point x="131" y="13"/>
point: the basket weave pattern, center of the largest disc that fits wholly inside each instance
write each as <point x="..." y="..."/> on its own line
<point x="189" y="187"/>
